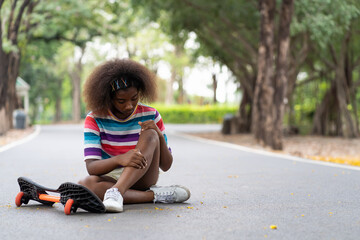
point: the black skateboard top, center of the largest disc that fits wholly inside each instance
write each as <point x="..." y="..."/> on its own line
<point x="82" y="197"/>
<point x="32" y="190"/>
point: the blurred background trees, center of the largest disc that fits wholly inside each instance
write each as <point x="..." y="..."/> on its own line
<point x="312" y="63"/>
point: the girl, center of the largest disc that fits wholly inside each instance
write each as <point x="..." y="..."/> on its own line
<point x="125" y="140"/>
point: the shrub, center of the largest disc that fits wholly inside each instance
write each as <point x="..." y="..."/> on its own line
<point x="194" y="113"/>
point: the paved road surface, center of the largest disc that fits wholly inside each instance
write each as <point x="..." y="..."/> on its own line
<point x="236" y="194"/>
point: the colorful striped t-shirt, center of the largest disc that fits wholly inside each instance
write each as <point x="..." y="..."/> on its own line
<point x="105" y="137"/>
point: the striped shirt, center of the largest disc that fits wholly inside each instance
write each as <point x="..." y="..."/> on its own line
<point x="105" y="137"/>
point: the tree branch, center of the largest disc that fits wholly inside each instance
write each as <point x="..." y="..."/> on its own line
<point x="1" y="4"/>
<point x="356" y="64"/>
<point x="28" y="12"/>
<point x="242" y="75"/>
<point x="223" y="45"/>
<point x="333" y="53"/>
<point x="59" y="37"/>
<point x="197" y="7"/>
<point x="16" y="26"/>
<point x="309" y="79"/>
<point x="251" y="49"/>
<point x="11" y="17"/>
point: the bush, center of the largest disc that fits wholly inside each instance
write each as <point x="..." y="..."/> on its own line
<point x="194" y="113"/>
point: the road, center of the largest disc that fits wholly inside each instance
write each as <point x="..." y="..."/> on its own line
<point x="236" y="194"/>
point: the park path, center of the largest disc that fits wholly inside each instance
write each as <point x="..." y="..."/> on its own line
<point x="236" y="194"/>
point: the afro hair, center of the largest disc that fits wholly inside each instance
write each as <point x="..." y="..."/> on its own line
<point x="98" y="91"/>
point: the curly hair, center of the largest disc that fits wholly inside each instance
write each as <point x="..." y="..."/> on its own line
<point x="98" y="90"/>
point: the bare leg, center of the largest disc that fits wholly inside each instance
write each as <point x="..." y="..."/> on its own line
<point x="142" y="179"/>
<point x="99" y="185"/>
<point x="133" y="182"/>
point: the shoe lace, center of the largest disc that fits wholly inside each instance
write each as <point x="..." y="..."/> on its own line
<point x="112" y="193"/>
<point x="166" y="196"/>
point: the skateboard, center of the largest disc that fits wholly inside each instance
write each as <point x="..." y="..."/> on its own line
<point x="72" y="196"/>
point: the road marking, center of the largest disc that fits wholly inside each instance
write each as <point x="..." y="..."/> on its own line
<point x="262" y="152"/>
<point x="21" y="141"/>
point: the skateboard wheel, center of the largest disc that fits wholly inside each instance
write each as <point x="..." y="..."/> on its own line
<point x="19" y="199"/>
<point x="68" y="206"/>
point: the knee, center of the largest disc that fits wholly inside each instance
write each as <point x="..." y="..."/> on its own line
<point x="150" y="135"/>
<point x="89" y="180"/>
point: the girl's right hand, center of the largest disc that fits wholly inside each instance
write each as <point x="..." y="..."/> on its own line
<point x="133" y="158"/>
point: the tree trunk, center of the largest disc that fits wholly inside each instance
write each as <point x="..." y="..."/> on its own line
<point x="270" y="89"/>
<point x="214" y="87"/>
<point x="343" y="80"/>
<point x="9" y="67"/>
<point x="76" y="91"/>
<point x="9" y="71"/>
<point x="179" y="74"/>
<point x="333" y="117"/>
<point x="281" y="77"/>
<point x="348" y="125"/>
<point x="244" y="117"/>
<point x="323" y="119"/>
<point x="169" y="99"/>
<point x="264" y="89"/>
<point x="4" y="82"/>
<point x="181" y="91"/>
<point x="58" y="113"/>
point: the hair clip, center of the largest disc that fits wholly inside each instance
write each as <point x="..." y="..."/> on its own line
<point x="124" y="82"/>
<point x="117" y="84"/>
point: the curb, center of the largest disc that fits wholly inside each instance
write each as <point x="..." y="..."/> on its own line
<point x="265" y="153"/>
<point x="21" y="141"/>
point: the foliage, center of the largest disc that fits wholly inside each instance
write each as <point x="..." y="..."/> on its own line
<point x="148" y="31"/>
<point x="194" y="113"/>
<point x="306" y="98"/>
<point x="325" y="20"/>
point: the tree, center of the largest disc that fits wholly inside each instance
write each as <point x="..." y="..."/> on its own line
<point x="271" y="87"/>
<point x="333" y="31"/>
<point x="78" y="22"/>
<point x="227" y="31"/>
<point x="36" y="21"/>
<point x="10" y="54"/>
<point x="46" y="82"/>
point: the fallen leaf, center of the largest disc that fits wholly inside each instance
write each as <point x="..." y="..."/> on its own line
<point x="273" y="226"/>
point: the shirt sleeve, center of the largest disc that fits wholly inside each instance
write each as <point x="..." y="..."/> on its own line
<point x="160" y="124"/>
<point x="92" y="141"/>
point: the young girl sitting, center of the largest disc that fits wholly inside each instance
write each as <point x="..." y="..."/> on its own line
<point x="125" y="140"/>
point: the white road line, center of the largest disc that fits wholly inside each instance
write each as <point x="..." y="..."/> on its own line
<point x="24" y="140"/>
<point x="262" y="152"/>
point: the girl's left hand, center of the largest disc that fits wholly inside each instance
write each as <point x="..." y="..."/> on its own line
<point x="149" y="124"/>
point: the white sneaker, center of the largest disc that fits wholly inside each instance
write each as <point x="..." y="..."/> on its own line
<point x="171" y="194"/>
<point x="113" y="201"/>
